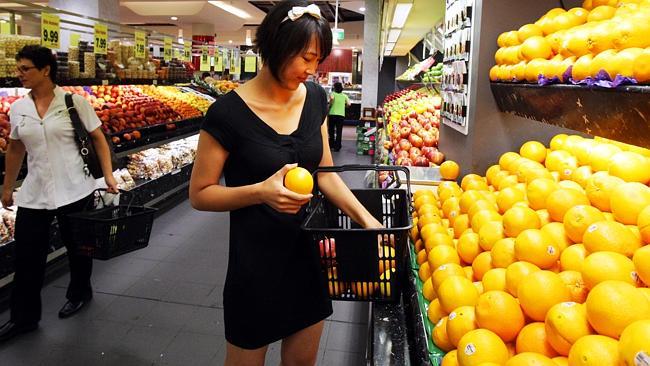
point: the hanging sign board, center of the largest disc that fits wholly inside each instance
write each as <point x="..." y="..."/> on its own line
<point x="218" y="62"/>
<point x="250" y="64"/>
<point x="50" y="28"/>
<point x="140" y="42"/>
<point x="187" y="51"/>
<point x="167" y="50"/>
<point x="205" y="61"/>
<point x="101" y="38"/>
<point x="74" y="39"/>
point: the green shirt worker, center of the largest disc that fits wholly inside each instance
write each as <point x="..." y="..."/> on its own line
<point x="338" y="102"/>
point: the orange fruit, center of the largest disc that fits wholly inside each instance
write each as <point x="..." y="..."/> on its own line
<point x="442" y="254"/>
<point x="469" y="178"/>
<point x="582" y="67"/>
<point x="544" y="217"/>
<point x="422" y="199"/>
<point x="460" y="225"/>
<point x="533" y="150"/>
<point x="561" y="200"/>
<point x="424" y="272"/>
<point x="537" y="247"/>
<point x="610" y="236"/>
<point x="446" y="270"/>
<point x="539" y="291"/>
<point x="480" y="205"/>
<point x="500" y="313"/>
<point x="557" y="141"/>
<point x="557" y="233"/>
<point x="481" y="346"/>
<point x="483" y="217"/>
<point x="503" y="253"/>
<point x="641" y="260"/>
<point x="491" y="172"/>
<point x="427" y="290"/>
<point x="581" y="13"/>
<point x="449" y="170"/>
<point x="429" y="218"/>
<point x="507" y="181"/>
<point x="429" y="230"/>
<point x="518" y="71"/>
<point x="437" y="239"/>
<point x="576" y="285"/>
<point x="299" y="180"/>
<point x="456" y="291"/>
<point x="554" y="159"/>
<point x="643" y="223"/>
<point x="613" y="305"/>
<point x="477" y="185"/>
<point x="440" y="337"/>
<point x="565" y="323"/>
<point x="642" y="66"/>
<point x="421" y="256"/>
<point x="517" y="272"/>
<point x="532" y="338"/>
<point x="582" y="149"/>
<point x="511" y="38"/>
<point x="594" y="350"/>
<point x="561" y="361"/>
<point x="599" y="189"/>
<point x="634" y="344"/>
<point x="600" y="43"/>
<point x="489" y="234"/>
<point x="587" y="4"/>
<point x="573" y="257"/>
<point x="450" y="359"/>
<point x="530" y="358"/>
<point x="627" y="58"/>
<point x="631" y="32"/>
<point x="450" y="205"/>
<point x="581" y="175"/>
<point x="630" y="166"/>
<point x="447" y="189"/>
<point x="481" y="264"/>
<point x="506" y="159"/>
<point x="528" y="30"/>
<point x="601" y="155"/>
<point x="578" y="218"/>
<point x="604" y="266"/>
<point x="468" y="199"/>
<point x="494" y="280"/>
<point x="468" y="247"/>
<point x="508" y="197"/>
<point x="459" y="322"/>
<point x="517" y="219"/>
<point x="602" y="12"/>
<point x="538" y="190"/>
<point x="554" y="12"/>
<point x="479" y="286"/>
<point x="536" y="67"/>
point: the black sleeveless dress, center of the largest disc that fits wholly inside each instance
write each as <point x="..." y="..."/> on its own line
<point x="273" y="284"/>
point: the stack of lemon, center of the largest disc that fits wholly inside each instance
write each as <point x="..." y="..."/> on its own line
<point x="609" y="35"/>
<point x="544" y="260"/>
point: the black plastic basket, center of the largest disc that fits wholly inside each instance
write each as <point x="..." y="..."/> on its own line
<point x="111" y="231"/>
<point x="362" y="264"/>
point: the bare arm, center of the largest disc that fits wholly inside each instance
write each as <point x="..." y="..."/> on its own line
<point x="101" y="146"/>
<point x="13" y="160"/>
<point x="206" y="194"/>
<point x="338" y="192"/>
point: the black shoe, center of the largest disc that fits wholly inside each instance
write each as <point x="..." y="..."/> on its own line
<point x="11" y="329"/>
<point x="72" y="307"/>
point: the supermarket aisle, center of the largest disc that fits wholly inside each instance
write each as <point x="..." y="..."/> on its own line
<point x="162" y="305"/>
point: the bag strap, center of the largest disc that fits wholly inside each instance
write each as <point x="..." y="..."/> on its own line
<point x="81" y="135"/>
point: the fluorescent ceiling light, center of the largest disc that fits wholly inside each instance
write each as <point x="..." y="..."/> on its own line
<point x="402" y="11"/>
<point x="231" y="9"/>
<point x="390" y="46"/>
<point x="387" y="53"/>
<point x="362" y="9"/>
<point x="230" y="41"/>
<point x="173" y="18"/>
<point x="393" y="35"/>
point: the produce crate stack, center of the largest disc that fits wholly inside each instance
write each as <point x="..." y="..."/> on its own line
<point x="366" y="138"/>
<point x="62" y="72"/>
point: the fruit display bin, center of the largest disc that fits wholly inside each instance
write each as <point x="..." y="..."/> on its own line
<point x="362" y="264"/>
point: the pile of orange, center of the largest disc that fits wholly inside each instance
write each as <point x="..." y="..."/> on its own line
<point x="608" y="35"/>
<point x="544" y="260"/>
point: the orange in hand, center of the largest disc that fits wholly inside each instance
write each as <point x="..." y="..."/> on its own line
<point x="299" y="180"/>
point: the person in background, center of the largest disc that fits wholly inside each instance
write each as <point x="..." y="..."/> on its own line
<point x="338" y="102"/>
<point x="55" y="185"/>
<point x="254" y="136"/>
<point x="205" y="75"/>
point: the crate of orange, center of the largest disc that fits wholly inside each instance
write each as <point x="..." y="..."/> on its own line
<point x="362" y="264"/>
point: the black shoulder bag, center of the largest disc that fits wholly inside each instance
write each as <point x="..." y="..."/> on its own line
<point x="87" y="150"/>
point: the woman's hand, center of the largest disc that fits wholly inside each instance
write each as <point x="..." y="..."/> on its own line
<point x="275" y="194"/>
<point x="372" y="223"/>
<point x="7" y="199"/>
<point x="111" y="184"/>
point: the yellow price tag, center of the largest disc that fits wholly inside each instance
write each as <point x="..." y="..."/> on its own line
<point x="187" y="51"/>
<point x="250" y="64"/>
<point x="218" y="62"/>
<point x="50" y="30"/>
<point x="167" y="50"/>
<point x="205" y="61"/>
<point x="140" y="44"/>
<point x="74" y="39"/>
<point x="5" y="28"/>
<point x="101" y="39"/>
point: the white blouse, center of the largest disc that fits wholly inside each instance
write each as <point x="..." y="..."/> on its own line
<point x="55" y="174"/>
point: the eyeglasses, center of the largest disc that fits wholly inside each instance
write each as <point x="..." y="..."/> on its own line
<point x="24" y="69"/>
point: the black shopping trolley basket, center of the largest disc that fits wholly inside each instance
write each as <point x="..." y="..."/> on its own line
<point x="111" y="231"/>
<point x="362" y="264"/>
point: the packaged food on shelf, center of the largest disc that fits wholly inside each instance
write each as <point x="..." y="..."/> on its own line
<point x="9" y="221"/>
<point x="125" y="177"/>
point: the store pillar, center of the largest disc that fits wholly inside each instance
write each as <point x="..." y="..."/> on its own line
<point x="371" y="25"/>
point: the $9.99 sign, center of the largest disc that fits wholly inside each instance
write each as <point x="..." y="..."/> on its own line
<point x="101" y="38"/>
<point x="50" y="30"/>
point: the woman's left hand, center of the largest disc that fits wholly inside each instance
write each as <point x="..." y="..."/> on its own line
<point x="111" y="184"/>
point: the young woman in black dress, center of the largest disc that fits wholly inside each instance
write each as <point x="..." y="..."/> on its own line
<point x="254" y="136"/>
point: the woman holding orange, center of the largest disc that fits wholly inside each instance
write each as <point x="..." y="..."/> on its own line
<point x="254" y="136"/>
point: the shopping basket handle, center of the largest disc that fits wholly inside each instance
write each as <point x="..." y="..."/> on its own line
<point x="129" y="194"/>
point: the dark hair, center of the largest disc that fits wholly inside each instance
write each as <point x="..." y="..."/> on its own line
<point x="205" y="75"/>
<point x="278" y="41"/>
<point x="40" y="57"/>
<point x="338" y="87"/>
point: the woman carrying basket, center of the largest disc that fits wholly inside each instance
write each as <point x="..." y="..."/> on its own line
<point x="254" y="136"/>
<point x="56" y="185"/>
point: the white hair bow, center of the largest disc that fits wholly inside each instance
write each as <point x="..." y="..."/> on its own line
<point x="297" y="11"/>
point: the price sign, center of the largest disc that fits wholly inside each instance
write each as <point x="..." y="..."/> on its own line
<point x="187" y="51"/>
<point x="50" y="30"/>
<point x="218" y="62"/>
<point x="101" y="38"/>
<point x="205" y="60"/>
<point x="140" y="42"/>
<point x="5" y="28"/>
<point x="74" y="39"/>
<point x="250" y="64"/>
<point x="167" y="50"/>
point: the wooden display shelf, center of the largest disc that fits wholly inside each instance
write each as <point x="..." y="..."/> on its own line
<point x="620" y="114"/>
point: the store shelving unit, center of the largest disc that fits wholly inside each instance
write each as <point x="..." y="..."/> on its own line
<point x="15" y="83"/>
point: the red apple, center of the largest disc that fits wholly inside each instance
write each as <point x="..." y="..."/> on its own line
<point x="429" y="140"/>
<point x="416" y="140"/>
<point x="405" y="145"/>
<point x="405" y="132"/>
<point x="421" y="161"/>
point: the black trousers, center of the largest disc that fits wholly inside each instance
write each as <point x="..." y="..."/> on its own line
<point x="32" y="240"/>
<point x="335" y="129"/>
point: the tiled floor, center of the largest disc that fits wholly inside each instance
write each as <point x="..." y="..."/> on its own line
<point x="162" y="305"/>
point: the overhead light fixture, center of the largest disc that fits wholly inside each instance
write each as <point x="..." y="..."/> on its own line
<point x="362" y="9"/>
<point x="400" y="15"/>
<point x="393" y="35"/>
<point x="180" y="36"/>
<point x="231" y="9"/>
<point x="249" y="40"/>
<point x="173" y="18"/>
<point x="230" y="41"/>
<point x="387" y="53"/>
<point x="390" y="46"/>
